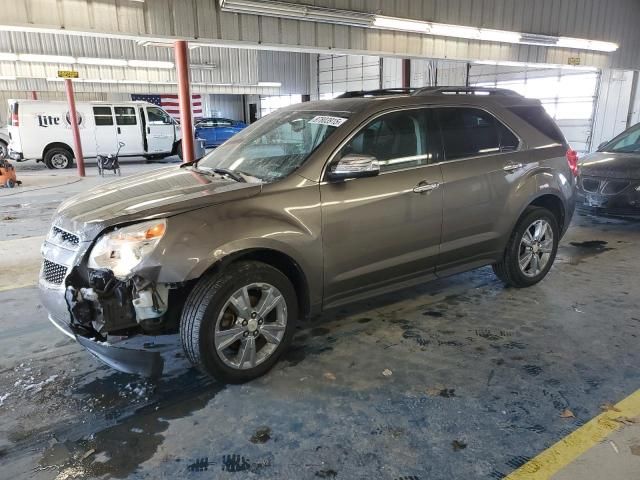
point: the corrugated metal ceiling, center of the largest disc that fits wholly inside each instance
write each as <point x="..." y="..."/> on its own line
<point x="612" y="20"/>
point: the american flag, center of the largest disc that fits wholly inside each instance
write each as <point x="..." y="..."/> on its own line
<point x="170" y="103"/>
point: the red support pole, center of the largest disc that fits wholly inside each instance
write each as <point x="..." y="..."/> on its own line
<point x="73" y="118"/>
<point x="34" y="95"/>
<point x="184" y="99"/>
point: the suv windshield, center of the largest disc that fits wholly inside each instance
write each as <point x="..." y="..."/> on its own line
<point x="626" y="142"/>
<point x="275" y="146"/>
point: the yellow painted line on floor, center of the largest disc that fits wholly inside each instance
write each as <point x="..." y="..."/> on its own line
<point x="564" y="452"/>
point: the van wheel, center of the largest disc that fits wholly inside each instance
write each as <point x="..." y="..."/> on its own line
<point x="58" y="158"/>
<point x="4" y="150"/>
<point x="237" y="323"/>
<point x="531" y="249"/>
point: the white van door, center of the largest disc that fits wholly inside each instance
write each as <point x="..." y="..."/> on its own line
<point x="106" y="134"/>
<point x="129" y="130"/>
<point x="160" y="130"/>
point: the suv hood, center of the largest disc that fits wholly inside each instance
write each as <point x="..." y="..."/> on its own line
<point x="611" y="165"/>
<point x="160" y="193"/>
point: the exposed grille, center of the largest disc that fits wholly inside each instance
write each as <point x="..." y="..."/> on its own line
<point x="64" y="236"/>
<point x="590" y="185"/>
<point x="53" y="272"/>
<point x="612" y="187"/>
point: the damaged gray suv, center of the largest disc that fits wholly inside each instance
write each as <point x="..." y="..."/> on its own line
<point x="314" y="206"/>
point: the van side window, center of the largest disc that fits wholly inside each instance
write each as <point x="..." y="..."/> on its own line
<point x="102" y="116"/>
<point x="157" y="116"/>
<point x="397" y="140"/>
<point x="125" y="115"/>
<point x="471" y="132"/>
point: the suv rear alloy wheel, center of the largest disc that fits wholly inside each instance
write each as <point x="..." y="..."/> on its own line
<point x="531" y="249"/>
<point x="236" y="324"/>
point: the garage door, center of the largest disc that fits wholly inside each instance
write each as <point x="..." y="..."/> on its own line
<point x="344" y="73"/>
<point x="569" y="95"/>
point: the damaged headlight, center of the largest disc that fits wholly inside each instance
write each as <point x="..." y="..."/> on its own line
<point x="122" y="249"/>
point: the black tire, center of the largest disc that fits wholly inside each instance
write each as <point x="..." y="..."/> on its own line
<point x="508" y="269"/>
<point x="57" y="165"/>
<point x="4" y="150"/>
<point x="202" y="308"/>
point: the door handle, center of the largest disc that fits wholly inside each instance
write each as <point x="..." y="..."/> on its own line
<point x="148" y="129"/>
<point x="512" y="167"/>
<point x="425" y="187"/>
<point x="119" y="131"/>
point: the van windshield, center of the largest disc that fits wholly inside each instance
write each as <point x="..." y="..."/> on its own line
<point x="275" y="146"/>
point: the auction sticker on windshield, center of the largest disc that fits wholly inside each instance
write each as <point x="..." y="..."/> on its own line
<point x="328" y="120"/>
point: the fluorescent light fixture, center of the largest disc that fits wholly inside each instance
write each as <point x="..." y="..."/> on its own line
<point x="8" y="57"/>
<point x="506" y="63"/>
<point x="583" y="44"/>
<point x="454" y="31"/>
<point x="499" y="36"/>
<point x="269" y="84"/>
<point x="28" y="57"/>
<point x="392" y="23"/>
<point x="149" y="64"/>
<point x="311" y="13"/>
<point x="107" y="62"/>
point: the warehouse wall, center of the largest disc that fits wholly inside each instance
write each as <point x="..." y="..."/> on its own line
<point x="228" y="106"/>
<point x="291" y="69"/>
<point x="612" y="20"/>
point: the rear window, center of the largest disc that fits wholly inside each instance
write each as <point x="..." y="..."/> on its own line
<point x="538" y="118"/>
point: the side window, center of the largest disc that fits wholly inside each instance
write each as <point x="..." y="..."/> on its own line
<point x="158" y="116"/>
<point x="224" y="122"/>
<point x="125" y="115"/>
<point x="396" y="139"/>
<point x="102" y="116"/>
<point x="470" y="132"/>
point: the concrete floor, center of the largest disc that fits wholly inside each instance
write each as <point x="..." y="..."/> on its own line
<point x="476" y="377"/>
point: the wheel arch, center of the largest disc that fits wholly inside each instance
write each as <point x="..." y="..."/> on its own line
<point x="276" y="259"/>
<point x="57" y="145"/>
<point x="554" y="204"/>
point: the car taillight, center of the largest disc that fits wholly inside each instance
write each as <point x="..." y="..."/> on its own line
<point x="14" y="119"/>
<point x="572" y="160"/>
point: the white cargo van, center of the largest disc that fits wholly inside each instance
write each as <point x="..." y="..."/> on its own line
<point x="41" y="130"/>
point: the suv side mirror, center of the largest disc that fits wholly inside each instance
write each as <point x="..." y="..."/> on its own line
<point x="354" y="165"/>
<point x="602" y="145"/>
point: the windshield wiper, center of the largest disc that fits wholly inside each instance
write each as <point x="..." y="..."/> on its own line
<point x="230" y="173"/>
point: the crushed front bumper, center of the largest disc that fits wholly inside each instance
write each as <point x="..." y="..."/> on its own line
<point x="609" y="197"/>
<point x="127" y="355"/>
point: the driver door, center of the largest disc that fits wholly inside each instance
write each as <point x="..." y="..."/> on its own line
<point x="381" y="230"/>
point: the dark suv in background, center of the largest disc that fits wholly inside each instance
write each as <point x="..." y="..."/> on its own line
<point x="314" y="206"/>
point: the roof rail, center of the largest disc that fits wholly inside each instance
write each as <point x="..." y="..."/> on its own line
<point x="465" y="91"/>
<point x="377" y="93"/>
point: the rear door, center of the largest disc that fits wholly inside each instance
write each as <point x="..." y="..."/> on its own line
<point x="481" y="166"/>
<point x="129" y="130"/>
<point x="106" y="134"/>
<point x="160" y="130"/>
